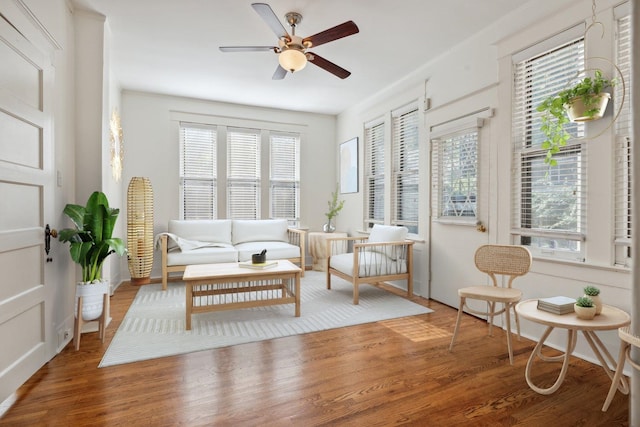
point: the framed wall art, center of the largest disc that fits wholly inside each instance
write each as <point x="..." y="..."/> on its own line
<point x="349" y="166"/>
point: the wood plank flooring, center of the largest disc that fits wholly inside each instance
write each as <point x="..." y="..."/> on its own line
<point x="379" y="374"/>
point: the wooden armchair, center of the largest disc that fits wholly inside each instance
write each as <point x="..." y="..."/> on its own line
<point x="372" y="261"/>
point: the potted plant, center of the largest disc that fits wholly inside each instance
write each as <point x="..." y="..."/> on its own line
<point x="584" y="308"/>
<point x="584" y="101"/>
<point x="594" y="293"/>
<point x="91" y="242"/>
<point x="335" y="207"/>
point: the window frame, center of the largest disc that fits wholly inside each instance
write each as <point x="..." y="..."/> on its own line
<point x="527" y="149"/>
<point x="405" y="149"/>
<point x="374" y="172"/>
<point x="623" y="180"/>
<point x="439" y="142"/>
<point x="223" y="130"/>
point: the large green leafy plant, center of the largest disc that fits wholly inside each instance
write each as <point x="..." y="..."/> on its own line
<point x="554" y="116"/>
<point x="91" y="240"/>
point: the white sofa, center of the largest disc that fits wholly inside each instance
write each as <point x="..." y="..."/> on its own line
<point x="189" y="242"/>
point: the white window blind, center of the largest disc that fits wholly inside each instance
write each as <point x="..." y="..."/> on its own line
<point x="198" y="171"/>
<point x="623" y="166"/>
<point x="454" y="179"/>
<point x="374" y="173"/>
<point x="405" y="176"/>
<point x="243" y="173"/>
<point x="285" y="177"/>
<point x="548" y="201"/>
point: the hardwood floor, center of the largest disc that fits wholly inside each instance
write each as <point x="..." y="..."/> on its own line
<point x="385" y="373"/>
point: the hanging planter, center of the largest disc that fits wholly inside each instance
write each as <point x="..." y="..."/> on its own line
<point x="586" y="109"/>
<point x="584" y="101"/>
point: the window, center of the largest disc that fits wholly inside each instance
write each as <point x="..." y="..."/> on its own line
<point x="374" y="173"/>
<point x="623" y="166"/>
<point x="258" y="164"/>
<point x="455" y="175"/>
<point x="405" y="176"/>
<point x="243" y="174"/>
<point x="198" y="171"/>
<point x="285" y="176"/>
<point x="548" y="202"/>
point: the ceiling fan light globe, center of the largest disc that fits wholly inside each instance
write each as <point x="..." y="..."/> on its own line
<point x="292" y="60"/>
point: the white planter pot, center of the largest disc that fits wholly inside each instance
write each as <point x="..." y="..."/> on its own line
<point x="578" y="111"/>
<point x="597" y="301"/>
<point x="92" y="299"/>
<point x="586" y="313"/>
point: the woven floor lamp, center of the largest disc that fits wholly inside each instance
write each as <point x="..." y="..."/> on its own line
<point x="140" y="229"/>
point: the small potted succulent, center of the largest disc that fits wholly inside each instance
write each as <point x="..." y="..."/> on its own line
<point x="585" y="308"/>
<point x="594" y="293"/>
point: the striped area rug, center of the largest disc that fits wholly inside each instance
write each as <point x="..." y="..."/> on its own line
<point x="154" y="326"/>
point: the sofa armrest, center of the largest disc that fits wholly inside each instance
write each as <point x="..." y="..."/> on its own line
<point x="164" y="249"/>
<point x="298" y="238"/>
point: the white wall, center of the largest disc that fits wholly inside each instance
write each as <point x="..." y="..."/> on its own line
<point x="465" y="70"/>
<point x="152" y="150"/>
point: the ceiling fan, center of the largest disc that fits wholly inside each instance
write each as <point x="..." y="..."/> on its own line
<point x="292" y="49"/>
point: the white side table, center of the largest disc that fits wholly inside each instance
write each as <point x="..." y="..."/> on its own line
<point x="318" y="247"/>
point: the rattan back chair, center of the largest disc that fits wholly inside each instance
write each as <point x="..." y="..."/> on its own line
<point x="508" y="261"/>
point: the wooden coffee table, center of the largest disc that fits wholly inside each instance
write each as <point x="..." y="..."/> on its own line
<point x="227" y="286"/>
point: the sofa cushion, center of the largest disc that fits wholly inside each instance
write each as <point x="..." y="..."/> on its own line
<point x="204" y="230"/>
<point x="227" y="253"/>
<point x="275" y="250"/>
<point x="371" y="264"/>
<point x="259" y="230"/>
<point x="387" y="233"/>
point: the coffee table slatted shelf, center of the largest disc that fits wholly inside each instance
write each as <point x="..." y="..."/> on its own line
<point x="227" y="286"/>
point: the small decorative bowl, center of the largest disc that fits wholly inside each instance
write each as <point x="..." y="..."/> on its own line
<point x="258" y="258"/>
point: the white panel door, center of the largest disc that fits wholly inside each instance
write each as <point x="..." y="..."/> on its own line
<point x="25" y="192"/>
<point x="457" y="211"/>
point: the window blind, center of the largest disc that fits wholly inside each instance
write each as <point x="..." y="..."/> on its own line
<point x="623" y="128"/>
<point x="285" y="177"/>
<point x="243" y="173"/>
<point x="454" y="159"/>
<point x="548" y="201"/>
<point x="374" y="173"/>
<point x="198" y="171"/>
<point x="405" y="175"/>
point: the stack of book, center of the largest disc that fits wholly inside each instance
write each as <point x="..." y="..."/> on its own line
<point x="258" y="265"/>
<point x="557" y="305"/>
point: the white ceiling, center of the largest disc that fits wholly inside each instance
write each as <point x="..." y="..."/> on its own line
<point x="171" y="46"/>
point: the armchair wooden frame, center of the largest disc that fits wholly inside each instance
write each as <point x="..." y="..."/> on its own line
<point x="371" y="263"/>
<point x="506" y="260"/>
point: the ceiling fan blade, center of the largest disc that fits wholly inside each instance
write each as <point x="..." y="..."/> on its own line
<point x="339" y="31"/>
<point x="247" y="48"/>
<point x="279" y="74"/>
<point x="329" y="66"/>
<point x="267" y="15"/>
